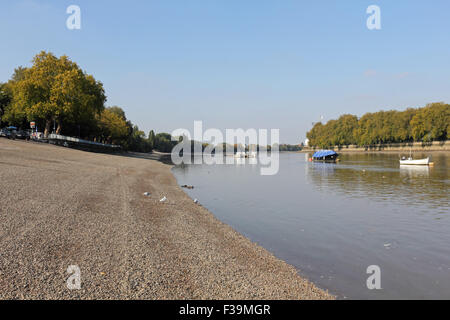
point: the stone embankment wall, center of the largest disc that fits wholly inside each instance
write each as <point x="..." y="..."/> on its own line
<point x="406" y="146"/>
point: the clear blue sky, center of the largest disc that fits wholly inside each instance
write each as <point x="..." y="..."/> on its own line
<point x="242" y="63"/>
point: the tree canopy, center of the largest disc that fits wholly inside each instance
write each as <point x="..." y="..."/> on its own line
<point x="57" y="91"/>
<point x="5" y="99"/>
<point x="429" y="123"/>
<point x="54" y="89"/>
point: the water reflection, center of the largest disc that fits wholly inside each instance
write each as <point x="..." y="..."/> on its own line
<point x="414" y="171"/>
<point x="331" y="221"/>
<point x="384" y="180"/>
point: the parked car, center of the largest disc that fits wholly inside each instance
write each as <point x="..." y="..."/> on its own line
<point x="11" y="132"/>
<point x="23" y="134"/>
<point x="5" y="132"/>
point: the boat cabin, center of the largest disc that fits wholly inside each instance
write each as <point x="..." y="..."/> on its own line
<point x="325" y="155"/>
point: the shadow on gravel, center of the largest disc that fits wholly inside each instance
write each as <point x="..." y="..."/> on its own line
<point x="162" y="157"/>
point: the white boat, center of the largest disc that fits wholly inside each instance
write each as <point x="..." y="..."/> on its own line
<point x="411" y="161"/>
<point x="245" y="154"/>
<point x="251" y="154"/>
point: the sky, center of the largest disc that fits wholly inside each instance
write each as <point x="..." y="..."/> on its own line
<point x="242" y="64"/>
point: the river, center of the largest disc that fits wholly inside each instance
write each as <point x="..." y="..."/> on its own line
<point x="333" y="221"/>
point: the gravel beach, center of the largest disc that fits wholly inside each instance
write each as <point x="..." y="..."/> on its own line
<point x="62" y="207"/>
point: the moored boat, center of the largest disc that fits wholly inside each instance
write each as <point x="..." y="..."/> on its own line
<point x="414" y="162"/>
<point x="325" y="155"/>
<point x="411" y="161"/>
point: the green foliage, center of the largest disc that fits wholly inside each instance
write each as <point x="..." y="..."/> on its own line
<point x="55" y="89"/>
<point x="137" y="141"/>
<point x="164" y="143"/>
<point x="5" y="99"/>
<point x="19" y="74"/>
<point x="429" y="123"/>
<point x="112" y="128"/>
<point x="118" y="111"/>
<point x="151" y="139"/>
<point x="289" y="147"/>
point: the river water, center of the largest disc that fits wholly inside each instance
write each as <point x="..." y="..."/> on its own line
<point x="333" y="221"/>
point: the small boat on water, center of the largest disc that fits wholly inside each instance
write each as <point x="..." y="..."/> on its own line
<point x="242" y="154"/>
<point x="411" y="161"/>
<point x="325" y="155"/>
<point x="251" y="154"/>
<point x="414" y="162"/>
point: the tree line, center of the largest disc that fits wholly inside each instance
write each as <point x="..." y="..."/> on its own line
<point x="59" y="96"/>
<point x="429" y="123"/>
<point x="233" y="148"/>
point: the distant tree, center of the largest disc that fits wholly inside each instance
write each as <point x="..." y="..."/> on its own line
<point x="112" y="127"/>
<point x="431" y="123"/>
<point x="316" y="135"/>
<point x="289" y="147"/>
<point x="345" y="129"/>
<point x="151" y="139"/>
<point x="423" y="124"/>
<point x="137" y="141"/>
<point x="164" y="143"/>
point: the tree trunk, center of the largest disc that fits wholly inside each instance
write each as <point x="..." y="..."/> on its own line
<point x="59" y="127"/>
<point x="48" y="124"/>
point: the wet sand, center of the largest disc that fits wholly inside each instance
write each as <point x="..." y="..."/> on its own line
<point x="62" y="207"/>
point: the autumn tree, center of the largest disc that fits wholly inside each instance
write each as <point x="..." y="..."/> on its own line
<point x="431" y="123"/>
<point x="55" y="89"/>
<point x="5" y="99"/>
<point x="112" y="128"/>
<point x="345" y="129"/>
<point x="424" y="124"/>
<point x="118" y="111"/>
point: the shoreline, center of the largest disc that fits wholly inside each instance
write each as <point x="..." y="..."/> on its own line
<point x="406" y="152"/>
<point x="435" y="146"/>
<point x="68" y="207"/>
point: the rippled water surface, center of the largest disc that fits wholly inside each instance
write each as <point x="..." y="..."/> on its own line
<point x="331" y="221"/>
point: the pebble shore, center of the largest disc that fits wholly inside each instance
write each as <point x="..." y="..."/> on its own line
<point x="62" y="207"/>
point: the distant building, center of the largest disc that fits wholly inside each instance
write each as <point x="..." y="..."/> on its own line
<point x="306" y="142"/>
